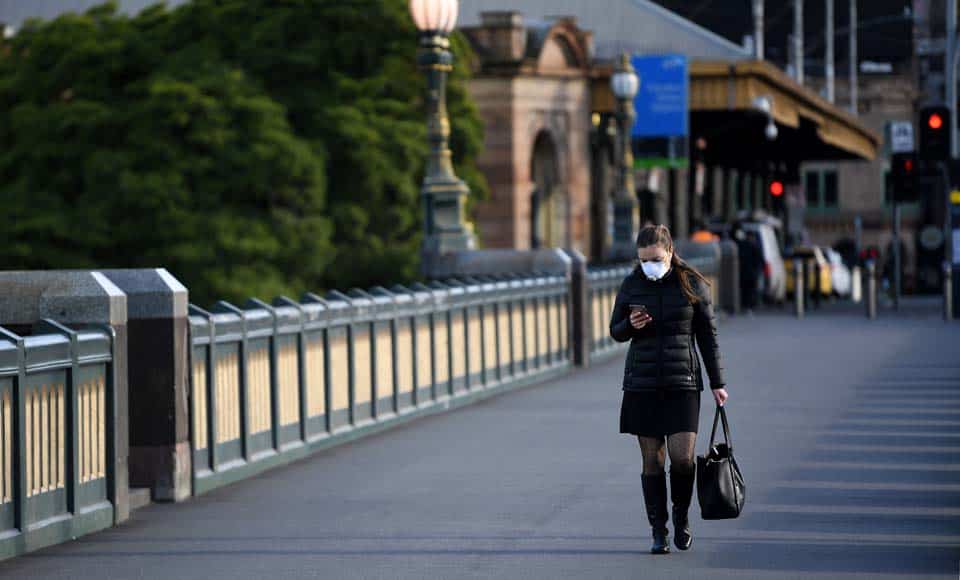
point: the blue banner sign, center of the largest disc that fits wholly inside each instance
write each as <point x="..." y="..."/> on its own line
<point x="662" y="101"/>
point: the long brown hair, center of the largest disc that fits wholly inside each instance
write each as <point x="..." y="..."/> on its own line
<point x="659" y="235"/>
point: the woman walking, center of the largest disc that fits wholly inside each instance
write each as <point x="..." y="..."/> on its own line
<point x="662" y="308"/>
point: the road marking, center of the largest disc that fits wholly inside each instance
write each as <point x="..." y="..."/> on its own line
<point x="856" y="510"/>
<point x="898" y="466"/>
<point x="918" y="422"/>
<point x="888" y="448"/>
<point x="902" y="411"/>
<point x="901" y="434"/>
<point x="735" y="536"/>
<point x="873" y="486"/>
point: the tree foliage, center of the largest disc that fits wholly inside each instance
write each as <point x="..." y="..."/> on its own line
<point x="252" y="147"/>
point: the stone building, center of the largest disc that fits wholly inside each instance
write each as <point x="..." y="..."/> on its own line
<point x="532" y="88"/>
<point x="542" y="86"/>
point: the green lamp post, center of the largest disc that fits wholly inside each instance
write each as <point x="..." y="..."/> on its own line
<point x="443" y="194"/>
<point x="624" y="83"/>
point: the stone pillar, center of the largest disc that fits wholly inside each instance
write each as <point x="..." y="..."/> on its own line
<point x="160" y="456"/>
<point x="77" y="299"/>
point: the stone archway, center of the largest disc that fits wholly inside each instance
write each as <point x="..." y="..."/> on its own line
<point x="548" y="204"/>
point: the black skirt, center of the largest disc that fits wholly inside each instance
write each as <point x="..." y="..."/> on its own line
<point x="654" y="414"/>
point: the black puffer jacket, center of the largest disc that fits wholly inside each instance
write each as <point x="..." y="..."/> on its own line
<point x="662" y="354"/>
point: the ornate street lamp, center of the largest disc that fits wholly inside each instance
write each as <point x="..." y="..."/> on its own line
<point x="443" y="193"/>
<point x="764" y="104"/>
<point x="625" y="83"/>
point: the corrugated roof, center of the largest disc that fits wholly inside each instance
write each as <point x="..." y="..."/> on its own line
<point x="637" y="26"/>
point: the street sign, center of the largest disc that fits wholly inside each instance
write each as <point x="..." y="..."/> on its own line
<point x="901" y="136"/>
<point x="662" y="101"/>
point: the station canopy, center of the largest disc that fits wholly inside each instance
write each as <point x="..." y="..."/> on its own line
<point x="724" y="113"/>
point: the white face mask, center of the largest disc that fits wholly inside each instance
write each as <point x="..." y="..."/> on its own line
<point x="655" y="270"/>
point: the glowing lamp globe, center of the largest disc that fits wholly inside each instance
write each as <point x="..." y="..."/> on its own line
<point x="435" y="16"/>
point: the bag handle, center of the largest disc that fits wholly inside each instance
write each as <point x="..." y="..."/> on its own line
<point x="720" y="414"/>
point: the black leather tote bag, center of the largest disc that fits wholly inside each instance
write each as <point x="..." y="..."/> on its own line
<point x="720" y="487"/>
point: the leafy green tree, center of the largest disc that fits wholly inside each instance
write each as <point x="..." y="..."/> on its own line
<point x="253" y="147"/>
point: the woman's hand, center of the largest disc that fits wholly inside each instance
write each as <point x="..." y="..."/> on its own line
<point x="639" y="319"/>
<point x="720" y="395"/>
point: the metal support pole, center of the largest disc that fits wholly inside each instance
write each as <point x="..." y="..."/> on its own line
<point x="798" y="39"/>
<point x="817" y="289"/>
<point x="896" y="257"/>
<point x="948" y="257"/>
<point x="625" y="197"/>
<point x="857" y="236"/>
<point x="947" y="291"/>
<point x="950" y="63"/>
<point x="828" y="59"/>
<point x="870" y="285"/>
<point x="798" y="285"/>
<point x="853" y="58"/>
<point x="443" y="194"/>
<point x="758" y="29"/>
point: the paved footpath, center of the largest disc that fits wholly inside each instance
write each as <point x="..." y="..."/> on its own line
<point x="848" y="433"/>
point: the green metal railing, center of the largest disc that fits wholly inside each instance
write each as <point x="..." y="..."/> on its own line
<point x="56" y="435"/>
<point x="603" y="284"/>
<point x="274" y="382"/>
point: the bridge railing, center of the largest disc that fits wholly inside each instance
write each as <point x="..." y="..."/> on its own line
<point x="272" y="382"/>
<point x="603" y="284"/>
<point x="57" y="419"/>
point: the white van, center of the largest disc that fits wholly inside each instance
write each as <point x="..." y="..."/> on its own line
<point x="774" y="274"/>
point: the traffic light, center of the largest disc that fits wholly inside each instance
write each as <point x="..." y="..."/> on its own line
<point x="934" y="133"/>
<point x="903" y="176"/>
<point x="776" y="189"/>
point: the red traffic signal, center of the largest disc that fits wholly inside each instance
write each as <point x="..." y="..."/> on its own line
<point x="903" y="175"/>
<point x="776" y="188"/>
<point x="903" y="164"/>
<point x="934" y="138"/>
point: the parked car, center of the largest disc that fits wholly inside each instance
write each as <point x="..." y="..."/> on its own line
<point x="808" y="252"/>
<point x="774" y="280"/>
<point x="840" y="277"/>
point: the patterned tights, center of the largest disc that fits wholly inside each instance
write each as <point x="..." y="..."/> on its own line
<point x="681" y="447"/>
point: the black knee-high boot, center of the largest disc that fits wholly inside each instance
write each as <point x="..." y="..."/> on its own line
<point x="655" y="498"/>
<point x="681" y="492"/>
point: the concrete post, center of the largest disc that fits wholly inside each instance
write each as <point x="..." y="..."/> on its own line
<point x="77" y="299"/>
<point x="159" y="410"/>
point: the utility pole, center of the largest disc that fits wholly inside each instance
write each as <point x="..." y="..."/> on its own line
<point x="853" y="58"/>
<point x="758" y="29"/>
<point x="950" y="60"/>
<point x="798" y="39"/>
<point x="828" y="59"/>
